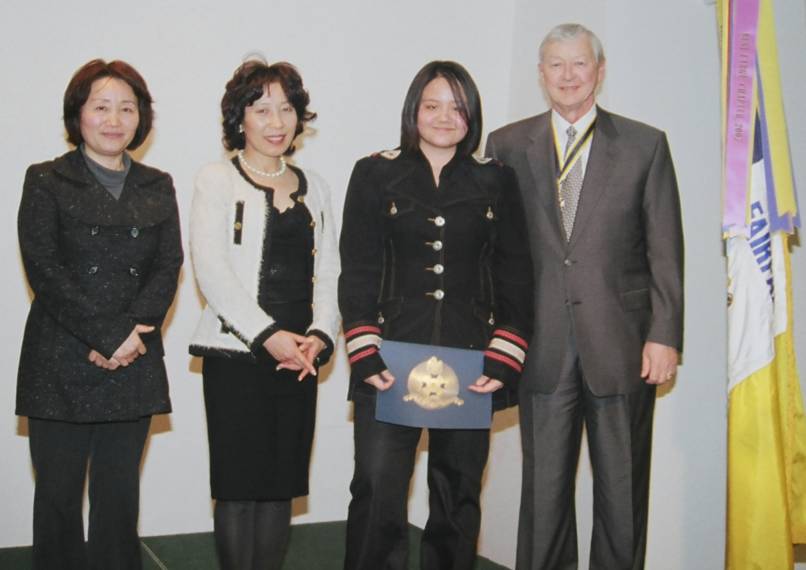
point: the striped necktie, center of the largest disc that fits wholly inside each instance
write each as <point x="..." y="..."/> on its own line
<point x="570" y="187"/>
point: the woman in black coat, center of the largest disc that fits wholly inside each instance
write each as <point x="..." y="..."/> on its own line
<point x="99" y="237"/>
<point x="433" y="252"/>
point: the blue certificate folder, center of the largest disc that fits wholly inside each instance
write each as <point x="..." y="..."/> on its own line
<point x="430" y="388"/>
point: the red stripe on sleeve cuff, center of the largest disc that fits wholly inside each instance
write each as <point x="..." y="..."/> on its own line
<point x="363" y="354"/>
<point x="512" y="337"/>
<point x="362" y="330"/>
<point x="505" y="359"/>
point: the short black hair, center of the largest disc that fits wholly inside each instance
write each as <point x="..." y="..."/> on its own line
<point x="80" y="86"/>
<point x="467" y="99"/>
<point x="246" y="87"/>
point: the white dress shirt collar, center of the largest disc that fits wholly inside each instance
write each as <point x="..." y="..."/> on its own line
<point x="561" y="125"/>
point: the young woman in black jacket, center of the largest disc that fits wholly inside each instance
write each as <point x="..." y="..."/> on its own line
<point x="433" y="251"/>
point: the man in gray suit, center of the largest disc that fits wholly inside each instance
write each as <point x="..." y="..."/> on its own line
<point x="603" y="212"/>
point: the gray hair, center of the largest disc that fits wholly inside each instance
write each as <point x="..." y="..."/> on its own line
<point x="565" y="32"/>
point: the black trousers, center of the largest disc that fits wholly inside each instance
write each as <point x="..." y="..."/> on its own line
<point x="619" y="429"/>
<point x="377" y="522"/>
<point x="60" y="452"/>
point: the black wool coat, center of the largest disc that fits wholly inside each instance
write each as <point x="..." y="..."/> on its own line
<point x="97" y="267"/>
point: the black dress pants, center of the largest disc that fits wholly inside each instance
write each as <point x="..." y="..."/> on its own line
<point x="377" y="522"/>
<point x="60" y="452"/>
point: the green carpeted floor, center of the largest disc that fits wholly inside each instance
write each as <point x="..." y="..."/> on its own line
<point x="317" y="546"/>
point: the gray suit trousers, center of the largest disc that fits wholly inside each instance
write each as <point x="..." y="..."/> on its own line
<point x="619" y="429"/>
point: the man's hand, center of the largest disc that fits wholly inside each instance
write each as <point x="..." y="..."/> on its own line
<point x="658" y="363"/>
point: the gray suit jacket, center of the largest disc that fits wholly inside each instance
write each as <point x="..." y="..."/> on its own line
<point x="619" y="281"/>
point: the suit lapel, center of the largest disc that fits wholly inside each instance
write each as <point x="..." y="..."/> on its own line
<point x="540" y="157"/>
<point x="603" y="155"/>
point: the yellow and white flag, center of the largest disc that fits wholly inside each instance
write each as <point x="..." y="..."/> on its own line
<point x="766" y="424"/>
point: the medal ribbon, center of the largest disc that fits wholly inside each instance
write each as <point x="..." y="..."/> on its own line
<point x="561" y="170"/>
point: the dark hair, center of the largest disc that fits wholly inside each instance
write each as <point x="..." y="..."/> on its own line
<point x="78" y="91"/>
<point x="467" y="99"/>
<point x="246" y="87"/>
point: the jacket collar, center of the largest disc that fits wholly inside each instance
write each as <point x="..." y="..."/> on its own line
<point x="416" y="176"/>
<point x="72" y="166"/>
<point x="302" y="188"/>
<point x="86" y="199"/>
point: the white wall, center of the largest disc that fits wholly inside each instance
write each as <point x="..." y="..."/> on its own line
<point x="357" y="59"/>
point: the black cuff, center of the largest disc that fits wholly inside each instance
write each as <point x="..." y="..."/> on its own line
<point x="500" y="371"/>
<point x="366" y="367"/>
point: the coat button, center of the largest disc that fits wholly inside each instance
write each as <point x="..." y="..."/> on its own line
<point x="489" y="215"/>
<point x="134" y="232"/>
<point x="133" y="272"/>
<point x="439" y="294"/>
<point x="439" y="221"/>
<point x="567" y="262"/>
<point x="95" y="230"/>
<point x="92" y="270"/>
<point x="435" y="245"/>
<point x="439" y="269"/>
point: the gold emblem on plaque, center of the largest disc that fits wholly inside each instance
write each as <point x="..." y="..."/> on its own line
<point x="433" y="385"/>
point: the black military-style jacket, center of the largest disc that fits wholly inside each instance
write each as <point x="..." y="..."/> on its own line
<point x="97" y="267"/>
<point x="447" y="265"/>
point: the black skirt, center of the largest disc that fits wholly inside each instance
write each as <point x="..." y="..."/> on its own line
<point x="260" y="425"/>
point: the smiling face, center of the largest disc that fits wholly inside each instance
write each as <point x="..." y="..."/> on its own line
<point x="439" y="121"/>
<point x="571" y="75"/>
<point x="109" y="120"/>
<point x="269" y="126"/>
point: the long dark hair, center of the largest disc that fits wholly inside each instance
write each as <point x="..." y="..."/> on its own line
<point x="467" y="99"/>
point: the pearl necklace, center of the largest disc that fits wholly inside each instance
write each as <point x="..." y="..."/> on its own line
<point x="279" y="172"/>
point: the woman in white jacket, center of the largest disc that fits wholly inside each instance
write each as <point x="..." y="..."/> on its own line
<point x="264" y="253"/>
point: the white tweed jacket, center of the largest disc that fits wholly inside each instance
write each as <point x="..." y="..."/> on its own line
<point x="228" y="220"/>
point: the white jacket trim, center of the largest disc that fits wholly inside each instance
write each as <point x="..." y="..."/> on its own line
<point x="228" y="274"/>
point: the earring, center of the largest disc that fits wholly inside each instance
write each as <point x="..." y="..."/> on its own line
<point x="240" y="128"/>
